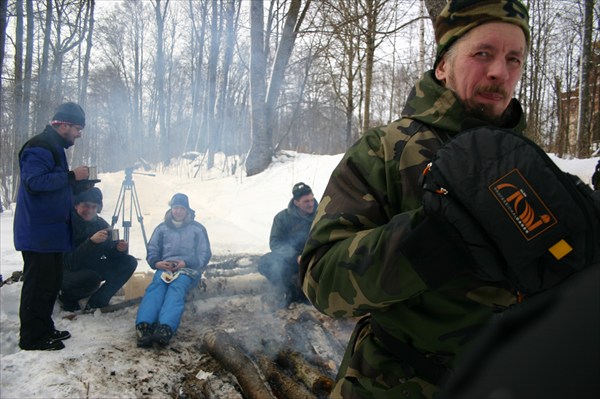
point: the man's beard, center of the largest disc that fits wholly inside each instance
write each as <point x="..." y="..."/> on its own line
<point x="485" y="112"/>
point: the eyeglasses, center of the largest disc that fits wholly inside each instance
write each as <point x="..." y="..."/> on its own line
<point x="77" y="127"/>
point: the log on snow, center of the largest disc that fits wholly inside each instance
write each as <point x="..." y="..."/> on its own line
<point x="229" y="354"/>
<point x="318" y="383"/>
<point x="282" y="385"/>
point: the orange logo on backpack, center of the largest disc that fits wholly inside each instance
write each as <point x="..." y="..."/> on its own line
<point x="522" y="204"/>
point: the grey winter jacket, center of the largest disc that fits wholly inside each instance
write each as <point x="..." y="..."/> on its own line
<point x="188" y="243"/>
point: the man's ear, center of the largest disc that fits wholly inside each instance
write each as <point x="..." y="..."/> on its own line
<point x="440" y="70"/>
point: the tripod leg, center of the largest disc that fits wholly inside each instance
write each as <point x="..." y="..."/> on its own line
<point x="120" y="204"/>
<point x="138" y="213"/>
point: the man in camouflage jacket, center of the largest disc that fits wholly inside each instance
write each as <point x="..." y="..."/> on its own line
<point x="353" y="263"/>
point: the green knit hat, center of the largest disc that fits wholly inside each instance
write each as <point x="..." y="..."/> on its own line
<point x="460" y="16"/>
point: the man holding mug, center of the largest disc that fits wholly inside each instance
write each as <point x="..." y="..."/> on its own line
<point x="97" y="257"/>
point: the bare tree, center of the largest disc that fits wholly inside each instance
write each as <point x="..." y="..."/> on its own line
<point x="3" y="24"/>
<point x="584" y="118"/>
<point x="198" y="16"/>
<point x="211" y="92"/>
<point x="434" y="8"/>
<point x="259" y="156"/>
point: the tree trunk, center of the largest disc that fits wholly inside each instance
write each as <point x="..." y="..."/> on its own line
<point x="261" y="148"/>
<point x="28" y="65"/>
<point x="163" y="131"/>
<point x="225" y="143"/>
<point x="584" y="117"/>
<point x="18" y="122"/>
<point x="86" y="60"/>
<point x="211" y="90"/>
<point x="434" y="8"/>
<point x="3" y="23"/>
<point x="198" y="33"/>
<point x="282" y="57"/>
<point x="372" y="15"/>
<point x="43" y="95"/>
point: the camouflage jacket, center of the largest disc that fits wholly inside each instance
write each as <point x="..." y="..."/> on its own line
<point x="352" y="264"/>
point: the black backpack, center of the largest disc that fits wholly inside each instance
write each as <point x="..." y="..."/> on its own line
<point x="522" y="219"/>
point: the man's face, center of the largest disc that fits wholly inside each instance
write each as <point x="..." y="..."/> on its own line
<point x="87" y="210"/>
<point x="306" y="203"/>
<point x="179" y="213"/>
<point x="483" y="68"/>
<point x="69" y="132"/>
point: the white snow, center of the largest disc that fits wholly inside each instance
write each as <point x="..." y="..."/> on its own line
<point x="101" y="359"/>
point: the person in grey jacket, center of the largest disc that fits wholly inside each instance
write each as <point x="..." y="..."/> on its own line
<point x="179" y="251"/>
<point x="288" y="233"/>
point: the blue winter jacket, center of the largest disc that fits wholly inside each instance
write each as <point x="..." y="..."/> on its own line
<point x="188" y="243"/>
<point x="44" y="201"/>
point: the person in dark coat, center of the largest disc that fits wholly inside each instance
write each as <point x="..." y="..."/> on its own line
<point x="42" y="224"/>
<point x="95" y="258"/>
<point x="288" y="233"/>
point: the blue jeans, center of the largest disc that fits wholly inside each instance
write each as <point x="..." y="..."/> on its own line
<point x="164" y="303"/>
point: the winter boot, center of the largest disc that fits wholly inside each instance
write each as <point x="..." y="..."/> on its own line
<point x="45" y="344"/>
<point x="58" y="335"/>
<point x="144" y="335"/>
<point x="163" y="334"/>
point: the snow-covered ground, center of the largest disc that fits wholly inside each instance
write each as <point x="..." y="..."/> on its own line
<point x="101" y="358"/>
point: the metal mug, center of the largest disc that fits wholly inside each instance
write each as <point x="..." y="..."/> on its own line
<point x="114" y="234"/>
<point x="93" y="173"/>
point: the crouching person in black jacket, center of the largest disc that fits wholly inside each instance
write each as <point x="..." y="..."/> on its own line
<point x="95" y="257"/>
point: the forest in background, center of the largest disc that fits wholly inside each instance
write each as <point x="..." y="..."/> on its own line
<point x="166" y="78"/>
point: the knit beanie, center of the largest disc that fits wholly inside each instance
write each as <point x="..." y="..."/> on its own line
<point x="300" y="190"/>
<point x="180" y="199"/>
<point x="69" y="113"/>
<point x="460" y="16"/>
<point x="91" y="195"/>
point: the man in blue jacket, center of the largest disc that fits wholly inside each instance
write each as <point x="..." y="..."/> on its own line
<point x="42" y="224"/>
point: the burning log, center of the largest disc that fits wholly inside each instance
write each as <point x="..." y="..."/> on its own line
<point x="228" y="353"/>
<point x="308" y="334"/>
<point x="283" y="386"/>
<point x="318" y="383"/>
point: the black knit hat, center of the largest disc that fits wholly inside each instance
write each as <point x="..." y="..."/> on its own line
<point x="69" y="113"/>
<point x="91" y="195"/>
<point x="300" y="190"/>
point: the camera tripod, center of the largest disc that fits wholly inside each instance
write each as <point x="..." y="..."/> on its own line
<point x="128" y="186"/>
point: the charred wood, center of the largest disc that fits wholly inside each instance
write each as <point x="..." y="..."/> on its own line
<point x="229" y="354"/>
<point x="307" y="333"/>
<point x="283" y="386"/>
<point x="318" y="383"/>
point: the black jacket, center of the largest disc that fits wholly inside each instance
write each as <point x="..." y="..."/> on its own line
<point x="86" y="252"/>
